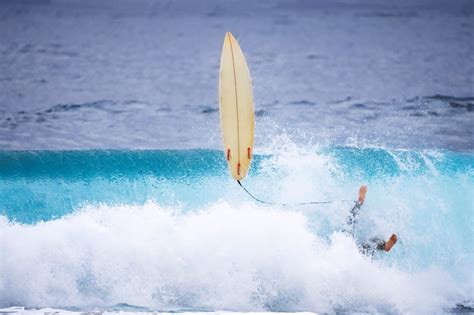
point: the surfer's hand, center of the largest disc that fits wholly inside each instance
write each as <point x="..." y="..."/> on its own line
<point x="362" y="192"/>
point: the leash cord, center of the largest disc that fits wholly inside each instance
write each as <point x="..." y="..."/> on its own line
<point x="289" y="204"/>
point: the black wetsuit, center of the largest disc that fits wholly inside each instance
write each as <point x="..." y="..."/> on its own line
<point x="373" y="244"/>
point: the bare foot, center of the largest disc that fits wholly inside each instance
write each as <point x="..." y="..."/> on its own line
<point x="391" y="241"/>
<point x="362" y="192"/>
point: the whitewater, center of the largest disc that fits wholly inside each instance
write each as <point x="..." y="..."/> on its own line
<point x="170" y="231"/>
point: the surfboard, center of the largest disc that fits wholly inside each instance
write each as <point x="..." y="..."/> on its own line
<point x="236" y="108"/>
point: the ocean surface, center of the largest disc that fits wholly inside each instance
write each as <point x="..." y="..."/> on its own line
<point x="144" y="74"/>
<point x="114" y="190"/>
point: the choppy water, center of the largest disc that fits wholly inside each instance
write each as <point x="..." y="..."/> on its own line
<point x="144" y="74"/>
<point x="374" y="93"/>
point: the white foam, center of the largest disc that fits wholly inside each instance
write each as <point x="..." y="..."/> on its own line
<point x="223" y="257"/>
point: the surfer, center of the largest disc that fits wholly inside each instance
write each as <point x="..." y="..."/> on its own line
<point x="375" y="243"/>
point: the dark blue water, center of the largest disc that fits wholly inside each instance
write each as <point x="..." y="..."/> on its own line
<point x="143" y="74"/>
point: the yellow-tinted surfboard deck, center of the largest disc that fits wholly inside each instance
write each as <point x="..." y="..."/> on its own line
<point x="236" y="108"/>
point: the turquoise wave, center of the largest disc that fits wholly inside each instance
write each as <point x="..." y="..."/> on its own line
<point x="44" y="185"/>
<point x="173" y="225"/>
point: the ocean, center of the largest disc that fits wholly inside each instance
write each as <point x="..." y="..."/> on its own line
<point x="114" y="190"/>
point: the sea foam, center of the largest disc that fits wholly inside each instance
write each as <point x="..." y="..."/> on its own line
<point x="246" y="258"/>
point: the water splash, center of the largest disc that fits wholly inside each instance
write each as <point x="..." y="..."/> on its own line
<point x="170" y="229"/>
<point x="221" y="257"/>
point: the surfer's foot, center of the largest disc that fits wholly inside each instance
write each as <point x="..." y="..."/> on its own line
<point x="362" y="192"/>
<point x="391" y="241"/>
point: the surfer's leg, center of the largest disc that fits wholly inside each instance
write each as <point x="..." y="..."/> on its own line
<point x="375" y="243"/>
<point x="352" y="219"/>
<point x="389" y="244"/>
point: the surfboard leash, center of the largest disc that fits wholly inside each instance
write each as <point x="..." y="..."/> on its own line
<point x="289" y="204"/>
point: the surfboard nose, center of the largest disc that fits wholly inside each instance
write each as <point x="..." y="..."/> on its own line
<point x="230" y="36"/>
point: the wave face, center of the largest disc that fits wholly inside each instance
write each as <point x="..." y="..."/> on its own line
<point x="171" y="230"/>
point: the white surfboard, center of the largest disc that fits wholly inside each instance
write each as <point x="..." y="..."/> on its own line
<point x="236" y="108"/>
